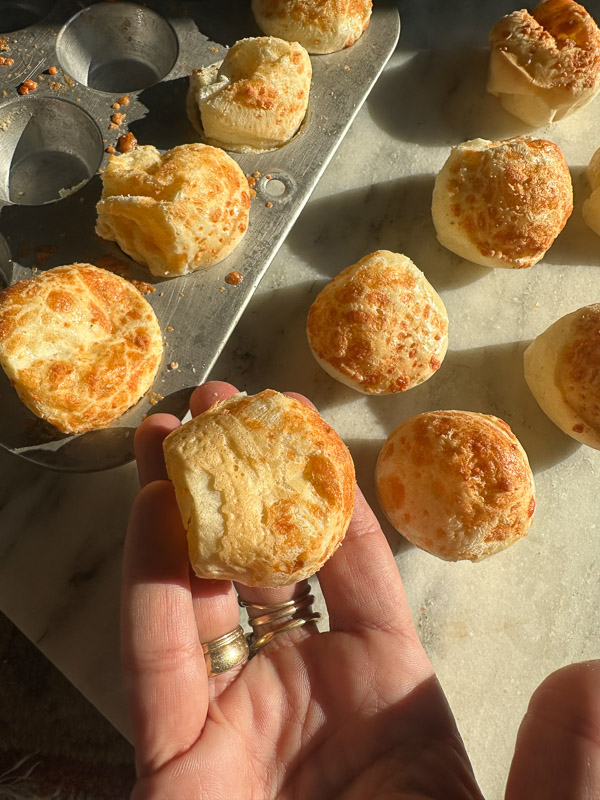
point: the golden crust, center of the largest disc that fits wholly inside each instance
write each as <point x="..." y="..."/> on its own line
<point x="502" y="203"/>
<point x="321" y="26"/>
<point x="562" y="369"/>
<point x="545" y="65"/>
<point x="185" y="210"/>
<point x="265" y="488"/>
<point x="456" y="483"/>
<point x="256" y="99"/>
<point x="80" y="345"/>
<point x="379" y="326"/>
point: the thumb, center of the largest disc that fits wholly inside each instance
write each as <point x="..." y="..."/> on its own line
<point x="558" y="746"/>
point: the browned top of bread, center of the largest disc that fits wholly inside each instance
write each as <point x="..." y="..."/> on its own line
<point x="456" y="483"/>
<point x="379" y="326"/>
<point x="79" y="344"/>
<point x="559" y="44"/>
<point x="509" y="199"/>
<point x="265" y="488"/>
<point x="578" y="368"/>
<point x="175" y="212"/>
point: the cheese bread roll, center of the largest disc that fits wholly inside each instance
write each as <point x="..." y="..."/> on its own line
<point x="79" y="344"/>
<point x="502" y="203"/>
<point x="456" y="483"/>
<point x="256" y="99"/>
<point x="174" y="213"/>
<point x="545" y="65"/>
<point x="265" y="488"/>
<point x="562" y="369"/>
<point x="379" y="326"/>
<point x="321" y="26"/>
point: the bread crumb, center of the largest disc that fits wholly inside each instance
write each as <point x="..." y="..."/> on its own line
<point x="173" y="364"/>
<point x="269" y="204"/>
<point x="170" y="328"/>
<point x="124" y="101"/>
<point x="142" y="286"/>
<point x="234" y="278"/>
<point x="52" y="70"/>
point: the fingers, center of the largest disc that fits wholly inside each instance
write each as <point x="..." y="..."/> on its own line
<point x="148" y="443"/>
<point x="360" y="582"/>
<point x="558" y="746"/>
<point x="163" y="664"/>
<point x="208" y="394"/>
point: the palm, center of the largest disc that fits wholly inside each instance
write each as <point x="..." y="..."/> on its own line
<point x="301" y="722"/>
<point x="353" y="713"/>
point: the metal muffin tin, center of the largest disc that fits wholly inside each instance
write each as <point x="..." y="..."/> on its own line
<point x="53" y="144"/>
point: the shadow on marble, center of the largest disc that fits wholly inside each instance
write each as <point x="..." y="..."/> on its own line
<point x="488" y="380"/>
<point x="431" y="24"/>
<point x="284" y="356"/>
<point x="395" y="215"/>
<point x="576" y="245"/>
<point x="364" y="453"/>
<point x="442" y="100"/>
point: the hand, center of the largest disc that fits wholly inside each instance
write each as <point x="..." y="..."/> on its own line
<point x="353" y="713"/>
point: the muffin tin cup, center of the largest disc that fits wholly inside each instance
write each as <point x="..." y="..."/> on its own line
<point x="62" y="131"/>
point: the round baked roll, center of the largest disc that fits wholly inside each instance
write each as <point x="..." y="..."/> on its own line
<point x="545" y="65"/>
<point x="80" y="345"/>
<point x="379" y="326"/>
<point x="503" y="203"/>
<point x="321" y="26"/>
<point x="456" y="483"/>
<point x="256" y="99"/>
<point x="562" y="369"/>
<point x="177" y="212"/>
<point x="265" y="488"/>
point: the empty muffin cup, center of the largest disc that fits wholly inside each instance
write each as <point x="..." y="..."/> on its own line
<point x="18" y="14"/>
<point x="117" y="48"/>
<point x="49" y="148"/>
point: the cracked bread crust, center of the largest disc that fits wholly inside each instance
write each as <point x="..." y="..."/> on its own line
<point x="265" y="488"/>
<point x="175" y="213"/>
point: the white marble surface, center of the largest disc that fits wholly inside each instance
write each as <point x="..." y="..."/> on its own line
<point x="493" y="630"/>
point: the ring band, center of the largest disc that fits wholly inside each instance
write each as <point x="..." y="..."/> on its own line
<point x="280" y="618"/>
<point x="226" y="652"/>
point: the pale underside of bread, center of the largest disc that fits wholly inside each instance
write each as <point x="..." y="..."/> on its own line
<point x="319" y="27"/>
<point x="265" y="495"/>
<point x="522" y="97"/>
<point x="79" y="344"/>
<point x="457" y="484"/>
<point x="542" y="367"/>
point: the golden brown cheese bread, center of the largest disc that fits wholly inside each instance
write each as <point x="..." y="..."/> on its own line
<point x="321" y="26"/>
<point x="265" y="488"/>
<point x="79" y="344"/>
<point x="379" y="326"/>
<point x="502" y="203"/>
<point x="185" y="210"/>
<point x="256" y="99"/>
<point x="545" y="65"/>
<point x="562" y="369"/>
<point x="456" y="483"/>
